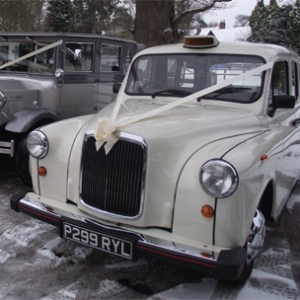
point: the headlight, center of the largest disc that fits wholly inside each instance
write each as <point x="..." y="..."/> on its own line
<point x="3" y="99"/>
<point x="59" y="73"/>
<point x="37" y="144"/>
<point x="218" y="178"/>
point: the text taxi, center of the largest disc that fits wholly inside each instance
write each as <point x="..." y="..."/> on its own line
<point x="200" y="148"/>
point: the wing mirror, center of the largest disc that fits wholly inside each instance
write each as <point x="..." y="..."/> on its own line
<point x="116" y="87"/>
<point x="282" y="102"/>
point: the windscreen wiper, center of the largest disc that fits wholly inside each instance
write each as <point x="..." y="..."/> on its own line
<point x="226" y="90"/>
<point x="171" y="92"/>
<point x="231" y="89"/>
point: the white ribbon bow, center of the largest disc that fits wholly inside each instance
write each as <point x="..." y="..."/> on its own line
<point x="104" y="134"/>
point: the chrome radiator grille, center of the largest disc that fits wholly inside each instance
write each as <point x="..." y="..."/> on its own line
<point x="113" y="183"/>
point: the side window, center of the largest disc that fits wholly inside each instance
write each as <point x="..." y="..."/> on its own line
<point x="4" y="50"/>
<point x="79" y="57"/>
<point x="279" y="84"/>
<point x="128" y="58"/>
<point x="110" y="58"/>
<point x="295" y="80"/>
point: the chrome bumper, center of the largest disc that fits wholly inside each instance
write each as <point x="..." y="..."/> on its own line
<point x="228" y="264"/>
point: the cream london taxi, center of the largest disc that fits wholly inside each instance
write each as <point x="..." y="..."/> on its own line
<point x="199" y="150"/>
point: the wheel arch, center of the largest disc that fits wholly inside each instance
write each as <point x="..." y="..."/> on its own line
<point x="26" y="120"/>
<point x="265" y="204"/>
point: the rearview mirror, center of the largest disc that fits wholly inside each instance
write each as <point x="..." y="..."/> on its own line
<point x="116" y="87"/>
<point x="282" y="101"/>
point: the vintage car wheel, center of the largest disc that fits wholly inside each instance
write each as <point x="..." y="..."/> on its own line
<point x="22" y="163"/>
<point x="254" y="244"/>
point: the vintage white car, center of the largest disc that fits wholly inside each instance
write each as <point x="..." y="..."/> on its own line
<point x="199" y="150"/>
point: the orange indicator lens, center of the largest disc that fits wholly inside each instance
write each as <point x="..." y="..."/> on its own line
<point x="207" y="211"/>
<point x="42" y="171"/>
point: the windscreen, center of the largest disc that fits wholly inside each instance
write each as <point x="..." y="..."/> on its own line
<point x="184" y="74"/>
<point x="40" y="63"/>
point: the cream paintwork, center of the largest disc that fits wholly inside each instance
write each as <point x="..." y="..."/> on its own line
<point x="229" y="235"/>
<point x="179" y="141"/>
<point x="190" y="197"/>
<point x="183" y="125"/>
<point x="54" y="184"/>
<point x="161" y="183"/>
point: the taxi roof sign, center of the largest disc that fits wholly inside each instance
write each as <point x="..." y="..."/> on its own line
<point x="206" y="41"/>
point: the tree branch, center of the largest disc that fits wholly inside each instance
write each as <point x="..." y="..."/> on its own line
<point x="209" y="6"/>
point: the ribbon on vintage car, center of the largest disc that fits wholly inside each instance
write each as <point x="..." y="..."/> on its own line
<point x="104" y="133"/>
<point x="47" y="47"/>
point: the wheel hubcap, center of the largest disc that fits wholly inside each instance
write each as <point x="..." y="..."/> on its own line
<point x="257" y="236"/>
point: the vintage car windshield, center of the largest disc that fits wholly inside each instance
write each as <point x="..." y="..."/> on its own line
<point x="40" y="63"/>
<point x="180" y="75"/>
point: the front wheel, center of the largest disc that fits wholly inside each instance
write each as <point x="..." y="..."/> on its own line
<point x="247" y="270"/>
<point x="254" y="244"/>
<point x="22" y="163"/>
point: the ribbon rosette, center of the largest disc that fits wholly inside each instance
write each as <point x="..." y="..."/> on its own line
<point x="104" y="134"/>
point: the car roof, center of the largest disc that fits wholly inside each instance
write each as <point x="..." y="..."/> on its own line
<point x="57" y="35"/>
<point x="267" y="51"/>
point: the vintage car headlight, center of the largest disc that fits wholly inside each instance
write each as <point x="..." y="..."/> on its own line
<point x="218" y="178"/>
<point x="3" y="99"/>
<point x="37" y="144"/>
<point x="59" y="73"/>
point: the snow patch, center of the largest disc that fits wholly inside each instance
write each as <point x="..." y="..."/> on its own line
<point x="201" y="290"/>
<point x="227" y="35"/>
<point x="4" y="256"/>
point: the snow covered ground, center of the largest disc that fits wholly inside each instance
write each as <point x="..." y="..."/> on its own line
<point x="37" y="264"/>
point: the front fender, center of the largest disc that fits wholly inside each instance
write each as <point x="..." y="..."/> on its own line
<point x="24" y="120"/>
<point x="61" y="136"/>
<point x="230" y="224"/>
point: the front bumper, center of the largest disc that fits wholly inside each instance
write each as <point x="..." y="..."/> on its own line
<point x="228" y="265"/>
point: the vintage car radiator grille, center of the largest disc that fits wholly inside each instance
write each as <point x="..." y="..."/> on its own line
<point x="113" y="183"/>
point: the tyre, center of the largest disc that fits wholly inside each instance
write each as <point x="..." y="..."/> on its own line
<point x="254" y="244"/>
<point x="247" y="270"/>
<point x="22" y="163"/>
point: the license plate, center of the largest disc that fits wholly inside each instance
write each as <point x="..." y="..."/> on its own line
<point x="98" y="241"/>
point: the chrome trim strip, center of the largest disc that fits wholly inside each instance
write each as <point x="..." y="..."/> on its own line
<point x="125" y="137"/>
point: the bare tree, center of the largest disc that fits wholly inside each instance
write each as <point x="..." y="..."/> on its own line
<point x="241" y="21"/>
<point x="18" y="15"/>
<point x="158" y="21"/>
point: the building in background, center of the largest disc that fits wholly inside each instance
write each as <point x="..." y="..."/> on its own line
<point x="224" y="34"/>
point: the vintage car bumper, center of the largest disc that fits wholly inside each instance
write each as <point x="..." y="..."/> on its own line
<point x="228" y="265"/>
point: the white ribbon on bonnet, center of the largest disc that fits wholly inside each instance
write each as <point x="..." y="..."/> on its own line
<point x="104" y="133"/>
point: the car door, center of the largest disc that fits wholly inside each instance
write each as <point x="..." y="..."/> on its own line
<point x="114" y="61"/>
<point x="285" y="121"/>
<point x="78" y="88"/>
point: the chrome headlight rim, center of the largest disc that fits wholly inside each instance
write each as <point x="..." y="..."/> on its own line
<point x="226" y="169"/>
<point x="3" y="99"/>
<point x="59" y="73"/>
<point x="37" y="144"/>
